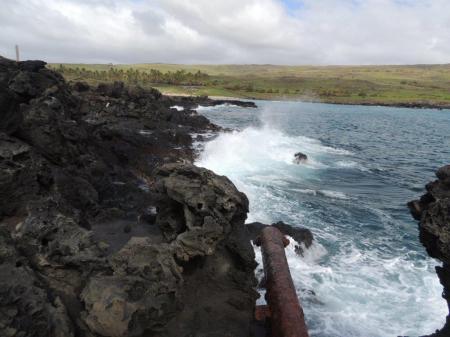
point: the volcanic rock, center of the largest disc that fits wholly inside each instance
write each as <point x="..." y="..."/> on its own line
<point x="78" y="165"/>
<point x="300" y="158"/>
<point x="433" y="213"/>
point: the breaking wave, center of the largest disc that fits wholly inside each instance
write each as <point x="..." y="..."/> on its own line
<point x="366" y="274"/>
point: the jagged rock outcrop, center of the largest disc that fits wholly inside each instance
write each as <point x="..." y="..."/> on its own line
<point x="207" y="204"/>
<point x="433" y="213"/>
<point x="105" y="227"/>
<point x="208" y="237"/>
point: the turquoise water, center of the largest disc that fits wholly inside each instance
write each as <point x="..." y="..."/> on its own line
<point x="367" y="274"/>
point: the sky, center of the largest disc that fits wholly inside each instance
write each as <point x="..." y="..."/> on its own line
<point x="296" y="32"/>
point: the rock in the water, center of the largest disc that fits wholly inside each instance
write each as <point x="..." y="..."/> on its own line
<point x="300" y="158"/>
<point x="301" y="235"/>
<point x="433" y="213"/>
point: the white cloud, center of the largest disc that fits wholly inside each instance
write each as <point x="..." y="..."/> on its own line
<point x="228" y="31"/>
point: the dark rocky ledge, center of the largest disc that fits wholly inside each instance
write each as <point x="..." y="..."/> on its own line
<point x="192" y="102"/>
<point x="432" y="211"/>
<point x="106" y="228"/>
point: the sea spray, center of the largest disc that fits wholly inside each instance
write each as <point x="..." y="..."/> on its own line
<point x="367" y="274"/>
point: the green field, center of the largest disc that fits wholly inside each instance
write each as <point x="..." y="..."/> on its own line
<point x="391" y="85"/>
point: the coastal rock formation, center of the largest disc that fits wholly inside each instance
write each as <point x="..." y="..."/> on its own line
<point x="106" y="229"/>
<point x="206" y="205"/>
<point x="433" y="213"/>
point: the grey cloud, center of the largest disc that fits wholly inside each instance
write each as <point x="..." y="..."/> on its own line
<point x="228" y="31"/>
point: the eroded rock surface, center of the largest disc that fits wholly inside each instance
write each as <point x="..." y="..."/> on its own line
<point x="106" y="229"/>
<point x="433" y="213"/>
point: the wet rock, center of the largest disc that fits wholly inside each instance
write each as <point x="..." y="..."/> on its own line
<point x="300" y="158"/>
<point x="302" y="236"/>
<point x="433" y="213"/>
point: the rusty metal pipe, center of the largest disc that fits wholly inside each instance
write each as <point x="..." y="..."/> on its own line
<point x="286" y="314"/>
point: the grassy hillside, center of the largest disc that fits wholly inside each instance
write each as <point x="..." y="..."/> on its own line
<point x="420" y="84"/>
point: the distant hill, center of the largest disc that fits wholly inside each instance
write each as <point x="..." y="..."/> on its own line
<point x="414" y="85"/>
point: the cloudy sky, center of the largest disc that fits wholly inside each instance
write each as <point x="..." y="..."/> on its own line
<point x="228" y="31"/>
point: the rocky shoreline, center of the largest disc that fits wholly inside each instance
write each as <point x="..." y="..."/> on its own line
<point x="108" y="229"/>
<point x="106" y="226"/>
<point x="409" y="105"/>
<point x="432" y="211"/>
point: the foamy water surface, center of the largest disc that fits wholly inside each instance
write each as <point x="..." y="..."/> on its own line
<point x="366" y="274"/>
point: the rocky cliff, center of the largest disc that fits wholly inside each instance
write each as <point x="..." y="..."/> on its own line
<point x="433" y="213"/>
<point x="106" y="228"/>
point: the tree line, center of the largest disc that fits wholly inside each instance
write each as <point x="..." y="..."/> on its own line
<point x="135" y="76"/>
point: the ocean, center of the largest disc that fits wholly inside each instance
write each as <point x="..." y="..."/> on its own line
<point x="366" y="275"/>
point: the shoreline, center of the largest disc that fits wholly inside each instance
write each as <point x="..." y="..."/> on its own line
<point x="411" y="105"/>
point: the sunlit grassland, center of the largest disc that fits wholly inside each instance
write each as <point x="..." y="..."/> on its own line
<point x="333" y="84"/>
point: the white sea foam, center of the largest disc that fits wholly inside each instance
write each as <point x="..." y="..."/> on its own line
<point x="199" y="139"/>
<point x="325" y="193"/>
<point x="177" y="107"/>
<point x="349" y="164"/>
<point x="346" y="290"/>
<point x="215" y="107"/>
<point x="333" y="194"/>
<point x="256" y="148"/>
